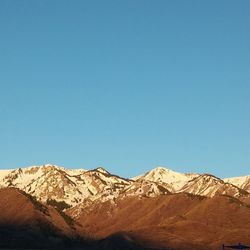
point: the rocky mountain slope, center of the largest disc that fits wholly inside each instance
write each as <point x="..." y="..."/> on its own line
<point x="50" y="183"/>
<point x="68" y="188"/>
<point x="199" y="184"/>
<point x="209" y="185"/>
<point x="25" y="222"/>
<point x="159" y="209"/>
<point x="242" y="182"/>
<point x="172" y="180"/>
<point x="176" y="221"/>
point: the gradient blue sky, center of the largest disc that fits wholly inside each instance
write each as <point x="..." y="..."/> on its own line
<point x="128" y="85"/>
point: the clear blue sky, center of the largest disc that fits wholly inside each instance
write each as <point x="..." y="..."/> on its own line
<point x="128" y="85"/>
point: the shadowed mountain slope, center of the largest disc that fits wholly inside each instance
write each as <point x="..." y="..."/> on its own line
<point x="161" y="209"/>
<point x="24" y="222"/>
<point x="27" y="224"/>
<point x="178" y="221"/>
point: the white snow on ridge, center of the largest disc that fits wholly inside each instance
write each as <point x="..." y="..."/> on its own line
<point x="74" y="186"/>
<point x="50" y="182"/>
<point x="3" y="173"/>
<point x="241" y="182"/>
<point x="209" y="185"/>
<point x="166" y="176"/>
<point x="237" y="180"/>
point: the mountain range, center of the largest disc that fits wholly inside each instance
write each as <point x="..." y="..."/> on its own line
<point x="161" y="209"/>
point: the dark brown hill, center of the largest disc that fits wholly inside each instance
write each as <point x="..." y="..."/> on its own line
<point x="27" y="224"/>
<point x="24" y="222"/>
<point x="178" y="221"/>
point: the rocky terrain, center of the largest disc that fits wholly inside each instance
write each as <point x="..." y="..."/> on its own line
<point x="24" y="222"/>
<point x="52" y="183"/>
<point x="95" y="209"/>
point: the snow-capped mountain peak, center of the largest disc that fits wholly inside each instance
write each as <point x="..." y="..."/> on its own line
<point x="102" y="170"/>
<point x="70" y="187"/>
<point x="210" y="185"/>
<point x="170" y="179"/>
<point x="54" y="183"/>
<point x="241" y="182"/>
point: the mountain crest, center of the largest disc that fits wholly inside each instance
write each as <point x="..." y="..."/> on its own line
<point x="174" y="181"/>
<point x="50" y="183"/>
<point x="102" y="170"/>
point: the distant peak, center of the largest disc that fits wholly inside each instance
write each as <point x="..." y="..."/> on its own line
<point x="159" y="169"/>
<point x="206" y="175"/>
<point x="162" y="169"/>
<point x="43" y="166"/>
<point x="50" y="165"/>
<point x="102" y="170"/>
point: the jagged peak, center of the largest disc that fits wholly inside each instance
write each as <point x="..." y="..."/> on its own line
<point x="162" y="172"/>
<point x="206" y="176"/>
<point x="167" y="171"/>
<point x="49" y="167"/>
<point x="52" y="166"/>
<point x="162" y="169"/>
<point x="102" y="170"/>
<point x="238" y="179"/>
<point x="158" y="171"/>
<point x="44" y="166"/>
